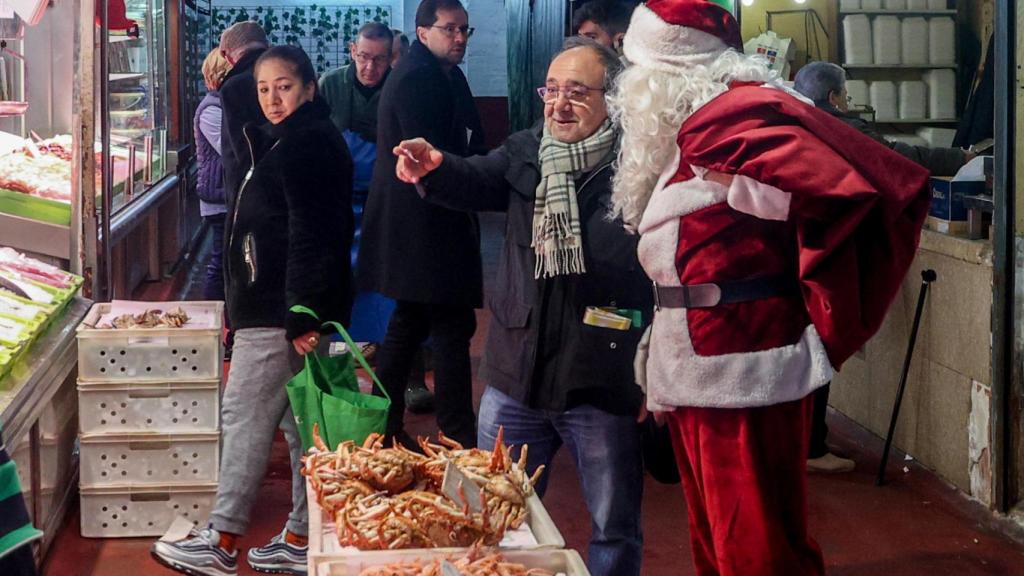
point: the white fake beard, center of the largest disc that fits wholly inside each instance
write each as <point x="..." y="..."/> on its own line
<point x="650" y="105"/>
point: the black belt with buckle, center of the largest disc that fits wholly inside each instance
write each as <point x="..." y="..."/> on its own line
<point x="713" y="294"/>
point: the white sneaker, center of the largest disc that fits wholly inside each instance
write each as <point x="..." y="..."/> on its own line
<point x="279" y="557"/>
<point x="198" y="555"/>
<point x="830" y="464"/>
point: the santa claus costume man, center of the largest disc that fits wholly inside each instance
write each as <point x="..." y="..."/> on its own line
<point x="776" y="237"/>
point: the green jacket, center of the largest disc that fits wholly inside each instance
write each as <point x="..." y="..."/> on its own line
<point x="350" y="110"/>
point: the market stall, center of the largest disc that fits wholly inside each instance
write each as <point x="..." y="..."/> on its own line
<point x="85" y="171"/>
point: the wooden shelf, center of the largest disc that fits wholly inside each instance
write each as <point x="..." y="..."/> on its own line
<point x="900" y="66"/>
<point x="918" y="121"/>
<point x="900" y="12"/>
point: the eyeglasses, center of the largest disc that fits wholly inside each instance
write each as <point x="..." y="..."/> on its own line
<point x="450" y="31"/>
<point x="576" y="94"/>
<point x="364" y="59"/>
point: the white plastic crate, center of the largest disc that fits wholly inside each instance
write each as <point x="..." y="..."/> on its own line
<point x="566" y="562"/>
<point x="537" y="533"/>
<point x="123" y="511"/>
<point x="158" y="354"/>
<point x="126" y="407"/>
<point x="111" y="459"/>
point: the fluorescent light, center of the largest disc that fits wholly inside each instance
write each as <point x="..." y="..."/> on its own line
<point x="748" y="2"/>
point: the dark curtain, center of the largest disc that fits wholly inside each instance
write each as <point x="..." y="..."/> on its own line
<point x="535" y="33"/>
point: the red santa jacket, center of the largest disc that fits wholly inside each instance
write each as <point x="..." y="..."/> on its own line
<point x="810" y="197"/>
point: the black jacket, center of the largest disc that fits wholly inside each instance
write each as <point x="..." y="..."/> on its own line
<point x="240" y="106"/>
<point x="938" y="161"/>
<point x="410" y="249"/>
<point x="291" y="231"/>
<point x="539" y="351"/>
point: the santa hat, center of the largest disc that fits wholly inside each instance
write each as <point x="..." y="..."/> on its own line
<point x="672" y="34"/>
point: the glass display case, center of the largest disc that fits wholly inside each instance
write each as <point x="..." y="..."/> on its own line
<point x="137" y="94"/>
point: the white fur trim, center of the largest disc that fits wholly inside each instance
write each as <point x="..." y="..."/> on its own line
<point x="677" y="376"/>
<point x="670" y="202"/>
<point x="653" y="43"/>
<point x="758" y="199"/>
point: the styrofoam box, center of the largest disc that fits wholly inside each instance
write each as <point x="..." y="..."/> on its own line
<point x="150" y="354"/>
<point x="914" y="40"/>
<point x="884" y="99"/>
<point x="913" y="100"/>
<point x="937" y="137"/>
<point x="108" y="459"/>
<point x="941" y="40"/>
<point x="857" y="45"/>
<point x="126" y="407"/>
<point x="937" y="4"/>
<point x="885" y="36"/>
<point x="566" y="562"/>
<point x="871" y="4"/>
<point x="324" y="546"/>
<point x="124" y="511"/>
<point x="849" y="5"/>
<point x="894" y="4"/>
<point x="917" y="4"/>
<point x="857" y="90"/>
<point x="941" y="93"/>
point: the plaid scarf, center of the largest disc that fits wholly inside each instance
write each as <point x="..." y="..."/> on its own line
<point x="557" y="238"/>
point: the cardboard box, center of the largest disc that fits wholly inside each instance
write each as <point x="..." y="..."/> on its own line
<point x="947" y="198"/>
<point x="948" y="227"/>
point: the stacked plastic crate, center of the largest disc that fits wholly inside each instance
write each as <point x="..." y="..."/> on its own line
<point x="149" y="419"/>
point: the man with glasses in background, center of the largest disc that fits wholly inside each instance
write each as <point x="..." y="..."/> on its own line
<point x="353" y="91"/>
<point x="559" y="370"/>
<point x="426" y="257"/>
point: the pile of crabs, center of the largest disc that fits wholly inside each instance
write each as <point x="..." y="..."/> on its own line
<point x="391" y="498"/>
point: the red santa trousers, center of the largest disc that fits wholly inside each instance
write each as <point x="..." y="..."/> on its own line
<point x="745" y="479"/>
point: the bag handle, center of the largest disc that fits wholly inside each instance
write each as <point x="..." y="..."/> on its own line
<point x="352" y="348"/>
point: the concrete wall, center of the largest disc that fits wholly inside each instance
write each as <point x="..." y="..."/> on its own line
<point x="944" y="420"/>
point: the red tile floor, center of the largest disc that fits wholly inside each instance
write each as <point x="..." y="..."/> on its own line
<point x="916" y="525"/>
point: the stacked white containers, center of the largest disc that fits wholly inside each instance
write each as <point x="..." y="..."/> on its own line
<point x="941" y="93"/>
<point x="891" y="35"/>
<point x="149" y="418"/>
<point x="942" y="41"/>
<point x="884" y="100"/>
<point x="857" y="90"/>
<point x="885" y="32"/>
<point x="857" y="39"/>
<point x="913" y="100"/>
<point x="914" y="40"/>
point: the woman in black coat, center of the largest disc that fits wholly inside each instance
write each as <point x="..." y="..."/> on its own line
<point x="289" y="237"/>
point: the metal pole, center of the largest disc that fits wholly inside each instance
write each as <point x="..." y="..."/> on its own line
<point x="927" y="277"/>
<point x="1006" y="374"/>
<point x="106" y="292"/>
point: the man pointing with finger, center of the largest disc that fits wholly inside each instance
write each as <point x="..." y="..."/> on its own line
<point x="570" y="299"/>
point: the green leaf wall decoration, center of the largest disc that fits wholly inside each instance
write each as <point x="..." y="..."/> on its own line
<point x="325" y="34"/>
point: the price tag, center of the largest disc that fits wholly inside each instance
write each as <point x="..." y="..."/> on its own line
<point x="449" y="569"/>
<point x="178" y="530"/>
<point x="453" y="479"/>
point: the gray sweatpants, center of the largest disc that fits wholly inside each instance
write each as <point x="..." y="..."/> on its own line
<point x="254" y="403"/>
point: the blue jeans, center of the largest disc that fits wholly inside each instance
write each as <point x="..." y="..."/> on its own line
<point x="606" y="448"/>
<point x="213" y="284"/>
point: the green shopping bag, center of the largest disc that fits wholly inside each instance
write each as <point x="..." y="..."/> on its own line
<point x="326" y="393"/>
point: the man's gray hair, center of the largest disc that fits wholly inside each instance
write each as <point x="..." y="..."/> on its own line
<point x="819" y="79"/>
<point x="243" y="35"/>
<point x="611" y="61"/>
